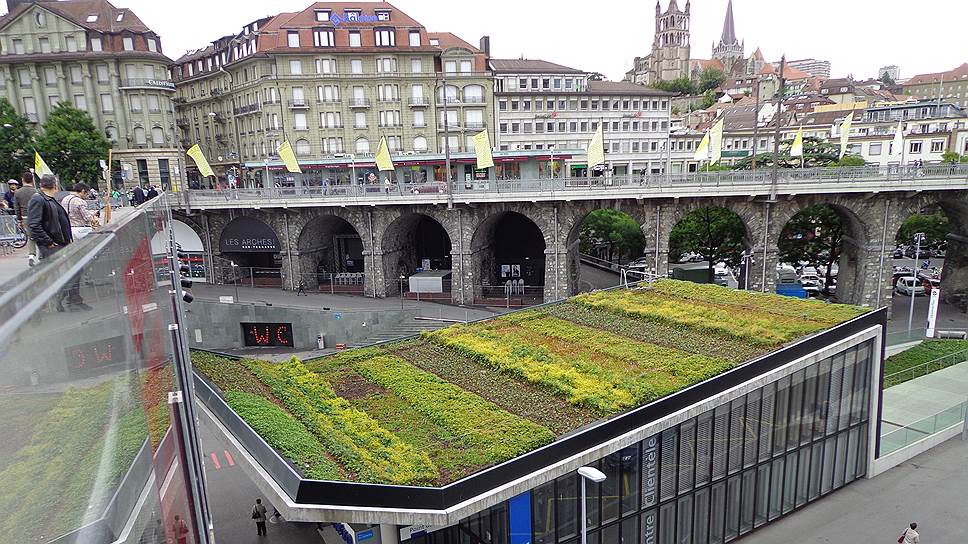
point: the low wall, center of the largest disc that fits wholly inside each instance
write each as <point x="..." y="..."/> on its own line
<point x="216" y="325"/>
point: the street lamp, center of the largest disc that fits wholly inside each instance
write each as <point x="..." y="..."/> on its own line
<point x="596" y="476"/>
<point x="7" y="125"/>
<point x="551" y="148"/>
<point x="235" y="278"/>
<point x="918" y="238"/>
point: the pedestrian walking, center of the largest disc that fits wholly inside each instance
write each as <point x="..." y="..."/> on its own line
<point x="387" y="185"/>
<point x="180" y="529"/>
<point x="325" y="186"/>
<point x="82" y="219"/>
<point x="137" y="196"/>
<point x="151" y="192"/>
<point x="302" y="290"/>
<point x="259" y="515"/>
<point x="910" y="535"/>
<point x="20" y="200"/>
<point x="50" y="227"/>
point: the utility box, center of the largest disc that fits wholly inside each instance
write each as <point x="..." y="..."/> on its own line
<point x="321" y="341"/>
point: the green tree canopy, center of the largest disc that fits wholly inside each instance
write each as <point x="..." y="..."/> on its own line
<point x="611" y="235"/>
<point x="16" y="142"/>
<point x="813" y="235"/>
<point x="72" y="145"/>
<point x="934" y="226"/>
<point x="710" y="78"/>
<point x="682" y="85"/>
<point x="715" y="233"/>
<point x="817" y="153"/>
<point x="886" y="79"/>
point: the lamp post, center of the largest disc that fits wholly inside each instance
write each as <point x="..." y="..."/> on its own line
<point x="235" y="279"/>
<point x="402" y="277"/>
<point x="918" y="238"/>
<point x="596" y="476"/>
<point x="551" y="148"/>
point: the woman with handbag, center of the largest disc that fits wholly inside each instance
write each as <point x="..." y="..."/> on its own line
<point x="910" y="535"/>
<point x="259" y="515"/>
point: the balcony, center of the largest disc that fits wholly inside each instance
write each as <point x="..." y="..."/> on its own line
<point x="391" y="125"/>
<point x="147" y="83"/>
<point x="474" y="125"/>
<point x="418" y="101"/>
<point x="219" y="118"/>
<point x="420" y="125"/>
<point x="388" y="100"/>
<point x="300" y="103"/>
<point x="359" y="102"/>
<point x="328" y="101"/>
<point x="182" y="122"/>
<point x="331" y="127"/>
<point x="251" y="108"/>
<point x="472" y="100"/>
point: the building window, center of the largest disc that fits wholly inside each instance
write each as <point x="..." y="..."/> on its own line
<point x="299" y="121"/>
<point x="382" y="15"/>
<point x="323" y="38"/>
<point x="356" y="66"/>
<point x="502" y="105"/>
<point x="355" y="39"/>
<point x="420" y="143"/>
<point x="325" y="66"/>
<point x="386" y="65"/>
<point x="385" y="37"/>
<point x="135" y="103"/>
<point x="18" y="47"/>
<point x="165" y="173"/>
<point x="80" y="102"/>
<point x="152" y="45"/>
<point x="139" y="136"/>
<point x="450" y="66"/>
<point x="50" y="76"/>
<point x="107" y="103"/>
<point x="92" y="18"/>
<point x="154" y="106"/>
<point x="937" y="146"/>
<point x="295" y="67"/>
<point x="76" y="75"/>
<point x="915" y="148"/>
<point x="302" y="147"/>
<point x="44" y="45"/>
<point x="293" y="38"/>
<point x="360" y="120"/>
<point x="362" y="145"/>
<point x="466" y="66"/>
<point x="157" y="136"/>
<point x="414" y="38"/>
<point x="96" y="44"/>
<point x="416" y="66"/>
<point x="128" y="44"/>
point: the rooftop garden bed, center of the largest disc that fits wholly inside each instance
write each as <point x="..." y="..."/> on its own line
<point x="430" y="410"/>
<point x="927" y="357"/>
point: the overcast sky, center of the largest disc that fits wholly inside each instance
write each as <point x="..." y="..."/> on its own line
<point x="856" y="36"/>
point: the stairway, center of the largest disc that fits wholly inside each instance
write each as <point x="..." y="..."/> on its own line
<point x="407" y="327"/>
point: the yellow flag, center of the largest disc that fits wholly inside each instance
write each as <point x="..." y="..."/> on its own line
<point x="288" y="157"/>
<point x="196" y="154"/>
<point x="40" y="167"/>
<point x="796" y="150"/>
<point x="482" y="148"/>
<point x="383" y="162"/>
<point x="702" y="152"/>
<point x="716" y="141"/>
<point x="596" y="149"/>
<point x="845" y="133"/>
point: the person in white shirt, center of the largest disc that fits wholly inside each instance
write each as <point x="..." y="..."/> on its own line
<point x="82" y="219"/>
<point x="911" y="535"/>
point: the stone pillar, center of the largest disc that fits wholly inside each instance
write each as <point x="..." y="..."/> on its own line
<point x="954" y="279"/>
<point x="661" y="218"/>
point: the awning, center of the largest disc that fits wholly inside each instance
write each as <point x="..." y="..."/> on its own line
<point x="248" y="235"/>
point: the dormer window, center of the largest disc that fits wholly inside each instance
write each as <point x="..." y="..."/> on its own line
<point x="322" y="15"/>
<point x="382" y="15"/>
<point x="435" y="42"/>
<point x="92" y="18"/>
<point x="384" y="37"/>
<point x="120" y="16"/>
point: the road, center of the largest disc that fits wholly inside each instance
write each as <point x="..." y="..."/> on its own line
<point x="231" y="495"/>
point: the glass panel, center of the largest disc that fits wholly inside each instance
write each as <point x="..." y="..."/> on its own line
<point x="736" y="433"/>
<point x="749" y="494"/>
<point x="852" y="456"/>
<point x="499" y="523"/>
<point x="567" y="496"/>
<point x="809" y="404"/>
<point x="847" y="389"/>
<point x="752" y="428"/>
<point x="816" y="456"/>
<point x="864" y="353"/>
<point x="703" y="447"/>
<point x="717" y="513"/>
<point x="650" y="471"/>
<point x="732" y="507"/>
<point x="720" y="441"/>
<point x="667" y="523"/>
<point x="833" y="399"/>
<point x="796" y="405"/>
<point x="684" y="517"/>
<point x="700" y="525"/>
<point x="762" y="494"/>
<point x="610" y="534"/>
<point x="790" y="482"/>
<point x="803" y="476"/>
<point x="648" y="521"/>
<point x="823" y="404"/>
<point x="610" y="488"/>
<point x="766" y="421"/>
<point x="543" y="513"/>
<point x="687" y="461"/>
<point x="840" y="465"/>
<point x="630" y="531"/>
<point x="861" y="380"/>
<point x="776" y="488"/>
<point x="780" y="419"/>
<point x="592" y="499"/>
<point x="829" y="455"/>
<point x="630" y="479"/>
<point x="667" y="480"/>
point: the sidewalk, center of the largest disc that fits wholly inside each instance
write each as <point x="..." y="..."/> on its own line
<point x="929" y="490"/>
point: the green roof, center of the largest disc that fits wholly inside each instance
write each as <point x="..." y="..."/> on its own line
<point x="433" y="409"/>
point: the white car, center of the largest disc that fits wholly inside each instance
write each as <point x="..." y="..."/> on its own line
<point x="909" y="285"/>
<point x="810" y="280"/>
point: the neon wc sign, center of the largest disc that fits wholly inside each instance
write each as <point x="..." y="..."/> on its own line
<point x="338" y="19"/>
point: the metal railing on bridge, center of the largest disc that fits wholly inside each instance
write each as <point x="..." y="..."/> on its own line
<point x="867" y="178"/>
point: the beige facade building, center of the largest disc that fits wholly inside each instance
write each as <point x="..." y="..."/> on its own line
<point x="333" y="79"/>
<point x="103" y="60"/>
<point x="950" y="86"/>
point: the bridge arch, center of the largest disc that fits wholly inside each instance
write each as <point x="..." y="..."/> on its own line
<point x="411" y="240"/>
<point x="510" y="244"/>
<point x="574" y="221"/>
<point x="332" y="250"/>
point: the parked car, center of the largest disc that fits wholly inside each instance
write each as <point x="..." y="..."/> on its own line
<point x="810" y="280"/>
<point x="909" y="286"/>
<point x="898" y="252"/>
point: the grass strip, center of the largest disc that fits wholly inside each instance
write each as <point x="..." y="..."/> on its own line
<point x="357" y="440"/>
<point x="948" y="351"/>
<point x="281" y="431"/>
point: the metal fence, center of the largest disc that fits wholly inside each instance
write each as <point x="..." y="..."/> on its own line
<point x="812" y="178"/>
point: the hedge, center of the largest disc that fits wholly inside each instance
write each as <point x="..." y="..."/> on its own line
<point x="953" y="350"/>
<point x="281" y="431"/>
<point x="359" y="442"/>
<point x="463" y="417"/>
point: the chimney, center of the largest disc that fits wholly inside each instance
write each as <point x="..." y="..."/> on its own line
<point x="486" y="46"/>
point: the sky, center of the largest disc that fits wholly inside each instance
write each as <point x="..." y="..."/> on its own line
<point x="856" y="36"/>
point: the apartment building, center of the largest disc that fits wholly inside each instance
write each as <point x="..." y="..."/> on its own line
<point x="333" y="79"/>
<point x="950" y="86"/>
<point x="105" y="61"/>
<point x="545" y="106"/>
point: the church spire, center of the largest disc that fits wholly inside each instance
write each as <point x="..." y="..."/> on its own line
<point x="729" y="30"/>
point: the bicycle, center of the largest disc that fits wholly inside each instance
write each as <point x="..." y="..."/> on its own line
<point x="12" y="233"/>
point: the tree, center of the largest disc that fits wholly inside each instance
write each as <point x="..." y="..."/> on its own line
<point x="934" y="226"/>
<point x="816" y="153"/>
<point x="886" y="79"/>
<point x="715" y="233"/>
<point x="16" y="142"/>
<point x="611" y="230"/>
<point x="72" y="146"/>
<point x="711" y="78"/>
<point x="950" y="157"/>
<point x="596" y="76"/>
<point x="682" y="85"/>
<point x="708" y="99"/>
<point x="813" y="235"/>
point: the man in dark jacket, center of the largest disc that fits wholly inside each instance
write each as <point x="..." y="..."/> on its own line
<point x="20" y="200"/>
<point x="137" y="196"/>
<point x="50" y="228"/>
<point x="151" y="193"/>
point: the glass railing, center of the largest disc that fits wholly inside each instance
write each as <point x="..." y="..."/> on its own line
<point x="89" y="393"/>
<point x="904" y="337"/>
<point x="895" y="439"/>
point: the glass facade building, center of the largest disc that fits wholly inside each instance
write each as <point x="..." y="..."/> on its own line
<point x="711" y="478"/>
